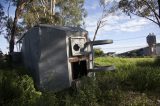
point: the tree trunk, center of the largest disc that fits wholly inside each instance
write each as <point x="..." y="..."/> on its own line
<point x="98" y="26"/>
<point x="19" y="6"/>
<point x="13" y="30"/>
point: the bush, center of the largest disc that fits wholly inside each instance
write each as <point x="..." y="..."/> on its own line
<point x="17" y="90"/>
<point x="98" y="52"/>
<point x="47" y="99"/>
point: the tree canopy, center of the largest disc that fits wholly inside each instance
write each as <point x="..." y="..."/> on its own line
<point x="148" y="9"/>
<point x="54" y="12"/>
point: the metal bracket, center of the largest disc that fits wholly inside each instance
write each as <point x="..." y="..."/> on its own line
<point x="99" y="42"/>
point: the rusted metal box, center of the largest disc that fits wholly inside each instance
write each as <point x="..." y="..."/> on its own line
<point x="58" y="56"/>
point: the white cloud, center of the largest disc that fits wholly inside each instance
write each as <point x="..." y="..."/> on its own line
<point x="134" y="25"/>
<point x="131" y="25"/>
<point x="116" y="23"/>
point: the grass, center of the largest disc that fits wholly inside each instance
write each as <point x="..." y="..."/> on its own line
<point x="139" y="74"/>
<point x="133" y="76"/>
<point x="135" y="82"/>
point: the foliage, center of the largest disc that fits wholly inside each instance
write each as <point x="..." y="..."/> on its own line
<point x="13" y="31"/>
<point x="19" y="30"/>
<point x="54" y="12"/>
<point x="33" y="12"/>
<point x="98" y="52"/>
<point x="142" y="8"/>
<point x="135" y="82"/>
<point x="16" y="89"/>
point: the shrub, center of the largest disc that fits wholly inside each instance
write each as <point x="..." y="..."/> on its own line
<point x="129" y="85"/>
<point x="47" y="99"/>
<point x="17" y="90"/>
<point x="98" y="52"/>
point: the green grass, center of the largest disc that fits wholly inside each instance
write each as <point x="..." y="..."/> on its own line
<point x="135" y="82"/>
<point x="139" y="74"/>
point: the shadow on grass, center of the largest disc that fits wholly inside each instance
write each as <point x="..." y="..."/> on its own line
<point x="155" y="63"/>
<point x="145" y="77"/>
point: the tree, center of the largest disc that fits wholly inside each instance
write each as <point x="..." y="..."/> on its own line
<point x="54" y="12"/>
<point x="98" y="52"/>
<point x="72" y="12"/>
<point x="8" y="25"/>
<point x="2" y="18"/>
<point x="108" y="8"/>
<point x="143" y="8"/>
<point x="19" y="7"/>
<point x="20" y="29"/>
<point x="39" y="11"/>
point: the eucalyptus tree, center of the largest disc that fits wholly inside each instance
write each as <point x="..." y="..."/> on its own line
<point x="20" y="29"/>
<point x="54" y="12"/>
<point x="72" y="12"/>
<point x="19" y="4"/>
<point x="149" y="9"/>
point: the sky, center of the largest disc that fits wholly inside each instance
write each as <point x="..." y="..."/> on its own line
<point x="127" y="33"/>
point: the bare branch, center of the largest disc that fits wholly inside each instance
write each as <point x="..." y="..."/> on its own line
<point x="146" y="18"/>
<point x="107" y="9"/>
<point x="153" y="10"/>
<point x="102" y="25"/>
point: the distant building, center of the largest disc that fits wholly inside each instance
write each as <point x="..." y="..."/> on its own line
<point x="152" y="49"/>
<point x="145" y="51"/>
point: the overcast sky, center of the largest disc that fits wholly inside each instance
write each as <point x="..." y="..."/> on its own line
<point x="127" y="33"/>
